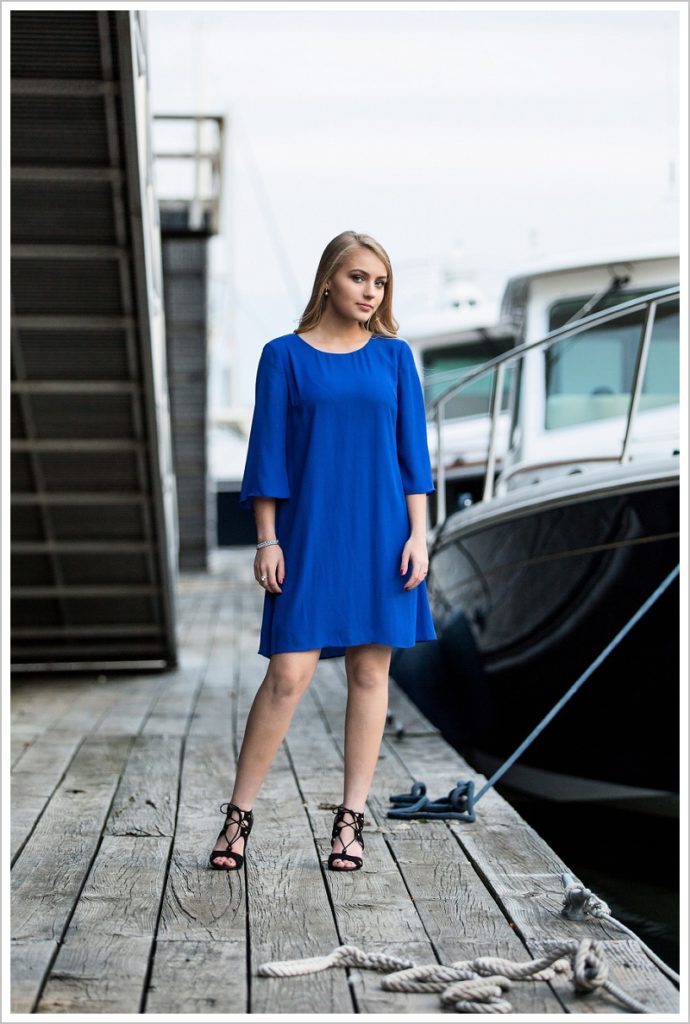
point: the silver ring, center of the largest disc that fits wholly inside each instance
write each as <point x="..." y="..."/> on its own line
<point x="264" y="578"/>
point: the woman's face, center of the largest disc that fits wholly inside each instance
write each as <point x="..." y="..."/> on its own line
<point x="357" y="288"/>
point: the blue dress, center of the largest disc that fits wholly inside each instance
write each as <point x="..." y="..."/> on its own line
<point x="339" y="439"/>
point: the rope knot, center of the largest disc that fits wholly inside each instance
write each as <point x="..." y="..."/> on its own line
<point x="590" y="969"/>
<point x="578" y="902"/>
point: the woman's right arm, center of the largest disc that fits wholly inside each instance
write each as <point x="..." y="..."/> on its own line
<point x="266" y="478"/>
<point x="265" y="518"/>
<point x="269" y="561"/>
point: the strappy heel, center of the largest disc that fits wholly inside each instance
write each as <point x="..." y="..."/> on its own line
<point x="338" y="825"/>
<point x="243" y="827"/>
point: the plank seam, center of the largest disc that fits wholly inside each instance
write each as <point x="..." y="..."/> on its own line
<point x="22" y="846"/>
<point x="154" y="937"/>
<point x="202" y="670"/>
<point x="329" y="894"/>
<point x="504" y="910"/>
<point x="68" y="920"/>
<point x="319" y="706"/>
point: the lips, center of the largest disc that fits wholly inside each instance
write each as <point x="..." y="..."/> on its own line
<point x="363" y="305"/>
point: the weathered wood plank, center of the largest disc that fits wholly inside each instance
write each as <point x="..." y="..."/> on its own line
<point x="289" y="914"/>
<point x="203" y="910"/>
<point x="80" y="803"/>
<point x="30" y="961"/>
<point x="458" y="913"/>
<point x="98" y="766"/>
<point x="200" y="903"/>
<point x="522" y="874"/>
<point x="372" y="907"/>
<point x="172" y="708"/>
<point x="132" y="704"/>
<point x="215" y="710"/>
<point x="102" y="964"/>
<point x="200" y="977"/>
<point x="34" y="780"/>
<point x="45" y="888"/>
<point x="146" y="800"/>
<point x="43" y="708"/>
<point x="19" y="745"/>
<point x="37" y="703"/>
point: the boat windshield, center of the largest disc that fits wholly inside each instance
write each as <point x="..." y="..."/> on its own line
<point x="445" y="365"/>
<point x="589" y="376"/>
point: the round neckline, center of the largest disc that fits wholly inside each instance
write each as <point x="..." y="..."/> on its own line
<point x="325" y="353"/>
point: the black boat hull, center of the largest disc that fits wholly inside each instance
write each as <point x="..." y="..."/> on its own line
<point x="523" y="602"/>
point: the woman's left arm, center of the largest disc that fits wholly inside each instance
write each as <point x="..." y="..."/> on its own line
<point x="415" y="549"/>
<point x="415" y="465"/>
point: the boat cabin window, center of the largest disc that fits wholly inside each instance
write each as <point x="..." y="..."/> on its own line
<point x="444" y="365"/>
<point x="589" y="376"/>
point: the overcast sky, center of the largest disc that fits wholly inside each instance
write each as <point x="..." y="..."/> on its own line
<point x="506" y="135"/>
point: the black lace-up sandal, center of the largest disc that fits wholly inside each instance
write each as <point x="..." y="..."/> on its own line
<point x="243" y="826"/>
<point x="338" y="825"/>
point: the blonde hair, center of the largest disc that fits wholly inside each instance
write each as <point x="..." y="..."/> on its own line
<point x="338" y="249"/>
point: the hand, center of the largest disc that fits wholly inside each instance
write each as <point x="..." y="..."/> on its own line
<point x="270" y="562"/>
<point x="415" y="551"/>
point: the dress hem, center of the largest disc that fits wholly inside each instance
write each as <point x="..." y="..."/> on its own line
<point x="343" y="647"/>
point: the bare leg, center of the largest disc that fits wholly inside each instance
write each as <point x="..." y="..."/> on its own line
<point x="367" y="668"/>
<point x="274" y="704"/>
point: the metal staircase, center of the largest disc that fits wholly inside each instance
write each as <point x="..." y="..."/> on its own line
<point x="94" y="512"/>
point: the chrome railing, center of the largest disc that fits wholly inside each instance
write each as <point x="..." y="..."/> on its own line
<point x="498" y="365"/>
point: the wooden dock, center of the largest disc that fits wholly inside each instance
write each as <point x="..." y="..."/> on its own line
<point x="116" y="785"/>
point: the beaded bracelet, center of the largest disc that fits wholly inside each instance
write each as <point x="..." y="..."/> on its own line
<point x="265" y="543"/>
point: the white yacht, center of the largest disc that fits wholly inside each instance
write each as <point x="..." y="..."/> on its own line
<point x="577" y="524"/>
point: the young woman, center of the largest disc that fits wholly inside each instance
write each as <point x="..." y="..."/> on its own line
<point x="337" y="474"/>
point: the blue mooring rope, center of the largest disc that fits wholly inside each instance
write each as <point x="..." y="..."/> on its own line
<point x="461" y="801"/>
<point x="578" y="683"/>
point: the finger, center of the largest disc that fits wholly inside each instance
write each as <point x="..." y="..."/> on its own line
<point x="271" y="582"/>
<point x="266" y="571"/>
<point x="406" y="560"/>
<point x="416" y="578"/>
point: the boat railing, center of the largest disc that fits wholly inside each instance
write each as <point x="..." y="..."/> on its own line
<point x="497" y="368"/>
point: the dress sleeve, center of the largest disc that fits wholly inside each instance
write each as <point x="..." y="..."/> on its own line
<point x="413" y="449"/>
<point x="265" y="472"/>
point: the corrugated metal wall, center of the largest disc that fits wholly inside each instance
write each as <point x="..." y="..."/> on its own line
<point x="185" y="288"/>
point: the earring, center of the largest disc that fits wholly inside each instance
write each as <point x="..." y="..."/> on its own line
<point x="326" y="292"/>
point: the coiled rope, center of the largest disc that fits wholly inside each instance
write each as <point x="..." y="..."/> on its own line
<point x="342" y="956"/>
<point x="472" y="986"/>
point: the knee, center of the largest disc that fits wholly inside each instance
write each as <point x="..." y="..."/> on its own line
<point x="285" y="684"/>
<point x="368" y="679"/>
